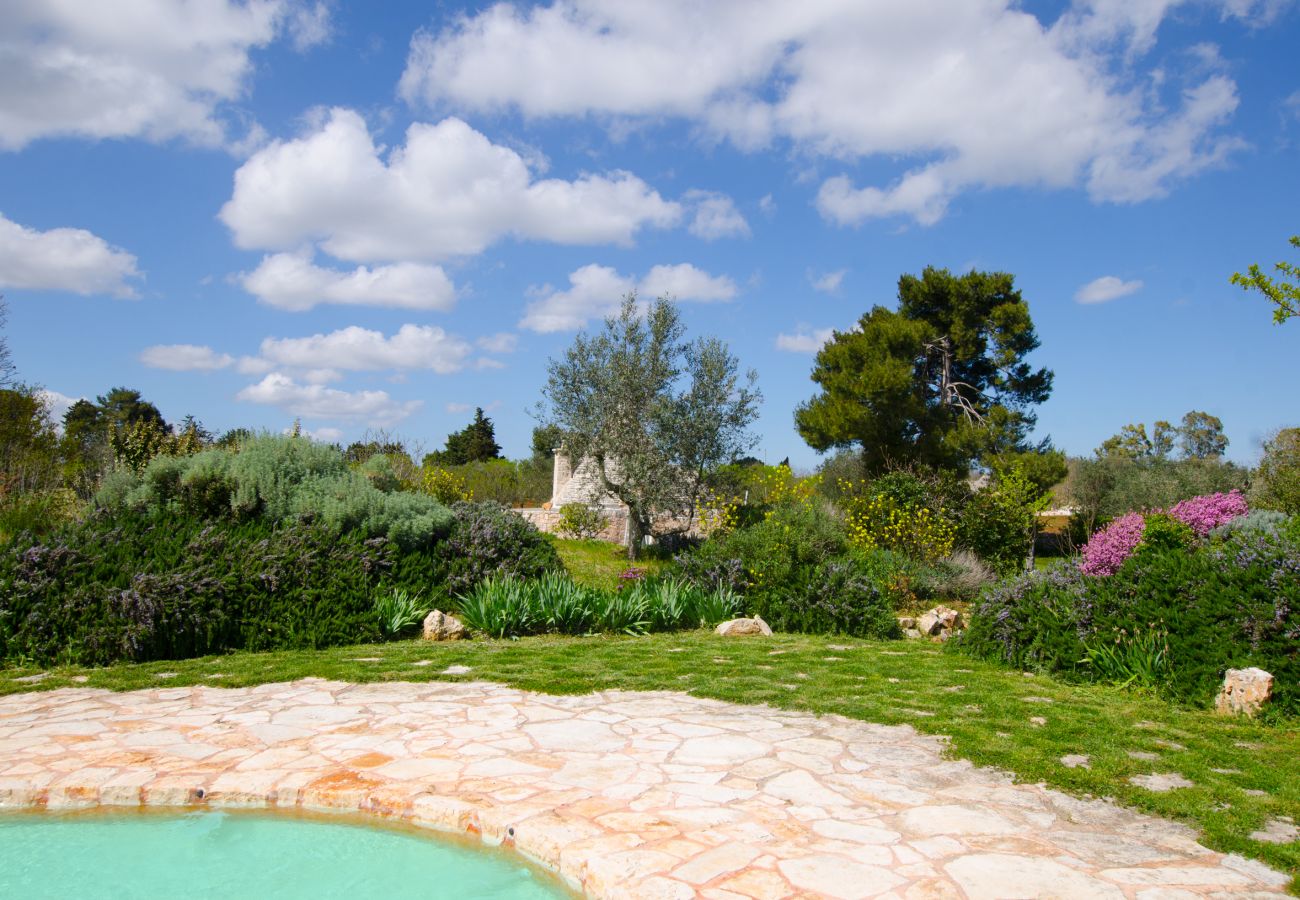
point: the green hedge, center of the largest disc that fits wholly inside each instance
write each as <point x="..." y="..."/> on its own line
<point x="142" y="583"/>
<point x="147" y="585"/>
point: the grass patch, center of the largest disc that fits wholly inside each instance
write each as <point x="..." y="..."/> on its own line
<point x="598" y="563"/>
<point x="988" y="711"/>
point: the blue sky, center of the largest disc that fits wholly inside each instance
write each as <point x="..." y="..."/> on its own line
<point x="382" y="215"/>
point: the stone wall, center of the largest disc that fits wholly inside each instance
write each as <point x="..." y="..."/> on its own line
<point x="547" y="521"/>
<point x="583" y="485"/>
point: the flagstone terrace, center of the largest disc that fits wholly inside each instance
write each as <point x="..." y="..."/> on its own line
<point x="624" y="794"/>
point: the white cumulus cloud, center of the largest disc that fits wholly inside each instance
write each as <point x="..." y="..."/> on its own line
<point x="596" y="291"/>
<point x="804" y="340"/>
<point x="185" y="358"/>
<point x="1105" y="289"/>
<point x="922" y="194"/>
<point x="965" y="95"/>
<point x="687" y="283"/>
<point x="315" y="401"/>
<point x="153" y="69"/>
<point x="360" y="349"/>
<point x="63" y="259"/>
<point x="715" y="216"/>
<point x="293" y="282"/>
<point x="447" y="192"/>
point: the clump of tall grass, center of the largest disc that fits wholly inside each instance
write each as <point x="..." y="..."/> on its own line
<point x="399" y="610"/>
<point x="499" y="606"/>
<point x="504" y="606"/>
<point x="563" y="606"/>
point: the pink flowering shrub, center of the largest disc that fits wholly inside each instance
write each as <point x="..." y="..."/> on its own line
<point x="1109" y="547"/>
<point x="1207" y="512"/>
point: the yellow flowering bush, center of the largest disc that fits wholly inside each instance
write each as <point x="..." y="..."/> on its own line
<point x="879" y="521"/>
<point x="717" y="514"/>
<point x="444" y="486"/>
<point x="781" y="488"/>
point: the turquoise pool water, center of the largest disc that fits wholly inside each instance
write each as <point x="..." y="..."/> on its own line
<point x="228" y="855"/>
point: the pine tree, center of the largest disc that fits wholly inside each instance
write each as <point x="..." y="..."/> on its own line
<point x="476" y="442"/>
<point x="941" y="382"/>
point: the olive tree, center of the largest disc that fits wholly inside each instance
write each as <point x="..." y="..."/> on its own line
<point x="650" y="411"/>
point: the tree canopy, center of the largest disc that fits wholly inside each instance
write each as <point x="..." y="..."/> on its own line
<point x="651" y="411"/>
<point x="1284" y="293"/>
<point x="29" y="457"/>
<point x="546" y="439"/>
<point x="476" y="442"/>
<point x="359" y="452"/>
<point x="118" y="407"/>
<point x="119" y="422"/>
<point x="1278" y="484"/>
<point x="1199" y="436"/>
<point x="943" y="381"/>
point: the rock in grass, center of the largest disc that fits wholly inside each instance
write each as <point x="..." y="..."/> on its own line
<point x="441" y="626"/>
<point x="738" y="627"/>
<point x="940" y="622"/>
<point x="1244" y="691"/>
<point x="1277" y="831"/>
<point x="1161" y="783"/>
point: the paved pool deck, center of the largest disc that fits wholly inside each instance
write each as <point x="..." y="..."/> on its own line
<point x="652" y="795"/>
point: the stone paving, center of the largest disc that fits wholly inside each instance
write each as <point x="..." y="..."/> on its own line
<point x="655" y="795"/>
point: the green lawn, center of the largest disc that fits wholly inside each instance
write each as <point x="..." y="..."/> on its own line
<point x="599" y="563"/>
<point x="989" y="712"/>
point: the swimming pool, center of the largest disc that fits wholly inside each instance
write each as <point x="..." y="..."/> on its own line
<point x="217" y="854"/>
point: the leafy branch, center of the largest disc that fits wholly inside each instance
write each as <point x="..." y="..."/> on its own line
<point x="1283" y="294"/>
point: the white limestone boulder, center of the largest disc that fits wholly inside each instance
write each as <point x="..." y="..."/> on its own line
<point x="739" y="627"/>
<point x="441" y="626"/>
<point x="1244" y="691"/>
